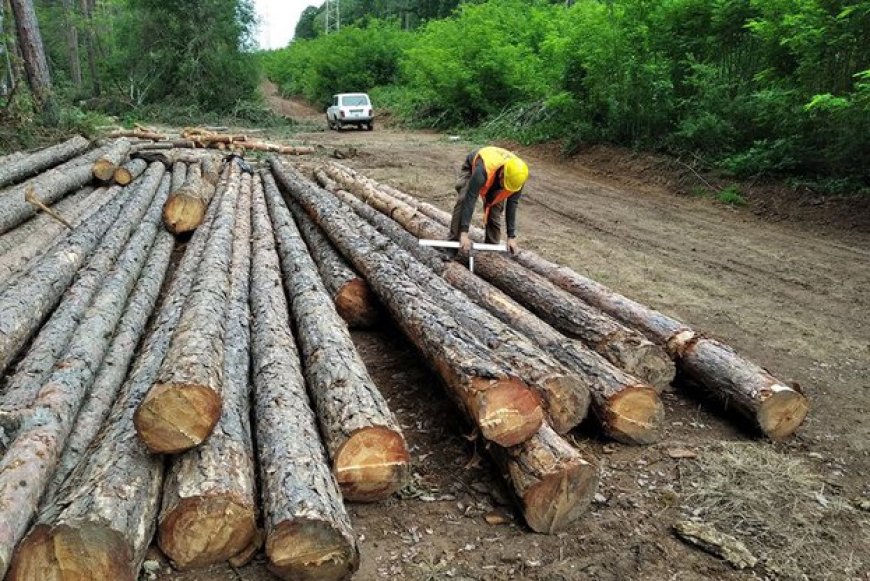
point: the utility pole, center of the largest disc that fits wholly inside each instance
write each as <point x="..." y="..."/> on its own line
<point x="333" y="16"/>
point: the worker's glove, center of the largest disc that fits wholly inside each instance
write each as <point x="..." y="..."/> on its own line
<point x="464" y="243"/>
<point x="512" y="245"/>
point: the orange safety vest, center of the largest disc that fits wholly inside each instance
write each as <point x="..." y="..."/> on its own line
<point x="493" y="159"/>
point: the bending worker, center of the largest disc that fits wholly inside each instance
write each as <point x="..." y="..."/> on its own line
<point x="497" y="176"/>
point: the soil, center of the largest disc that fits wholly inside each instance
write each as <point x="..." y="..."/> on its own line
<point x="787" y="287"/>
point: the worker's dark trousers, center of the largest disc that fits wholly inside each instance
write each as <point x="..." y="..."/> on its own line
<point x="493" y="222"/>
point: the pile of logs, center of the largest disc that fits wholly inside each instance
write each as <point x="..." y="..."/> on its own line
<point x="216" y="404"/>
<point x="203" y="138"/>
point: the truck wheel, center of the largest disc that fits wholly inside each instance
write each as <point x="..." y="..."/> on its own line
<point x="370" y="125"/>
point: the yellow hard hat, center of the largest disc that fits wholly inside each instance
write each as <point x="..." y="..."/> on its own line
<point x="516" y="172"/>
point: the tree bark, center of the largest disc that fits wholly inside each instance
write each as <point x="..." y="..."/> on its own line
<point x="49" y="187"/>
<point x="72" y="43"/>
<point x="90" y="46"/>
<point x="179" y="175"/>
<point x="30" y="460"/>
<point x="103" y="517"/>
<point x="54" y="336"/>
<point x="184" y="405"/>
<point x="35" y="63"/>
<point x="552" y="480"/>
<point x="624" y="347"/>
<point x="129" y="171"/>
<point x="41" y="160"/>
<point x="369" y="456"/>
<point x="186" y="206"/>
<point x="308" y="532"/>
<point x="27" y="301"/>
<point x="106" y="164"/>
<point x="628" y="410"/>
<point x="500" y="404"/>
<point x="209" y="507"/>
<point x="351" y="294"/>
<point x="114" y="369"/>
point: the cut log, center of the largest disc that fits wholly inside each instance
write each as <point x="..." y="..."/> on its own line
<point x="184" y="405"/>
<point x="55" y="334"/>
<point x="27" y="301"/>
<point x="129" y="171"/>
<point x="552" y="480"/>
<point x="30" y="460"/>
<point x="49" y="186"/>
<point x="41" y="160"/>
<point x="179" y="175"/>
<point x="308" y="532"/>
<point x="498" y="402"/>
<point x="138" y="134"/>
<point x="365" y="443"/>
<point x="209" y="510"/>
<point x="186" y="206"/>
<point x="103" y="518"/>
<point x="114" y="369"/>
<point x="351" y="294"/>
<point x="105" y="166"/>
<point x="624" y="347"/>
<point x="628" y="410"/>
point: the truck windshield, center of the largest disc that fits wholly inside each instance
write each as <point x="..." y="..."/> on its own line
<point x="355" y="101"/>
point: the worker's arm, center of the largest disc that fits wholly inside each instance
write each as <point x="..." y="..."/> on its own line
<point x="478" y="180"/>
<point x="510" y="214"/>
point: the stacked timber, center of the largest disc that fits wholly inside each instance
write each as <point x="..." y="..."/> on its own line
<point x="31" y="458"/>
<point x="15" y="170"/>
<point x="776" y="408"/>
<point x="103" y="517"/>
<point x="208" y="512"/>
<point x="106" y="165"/>
<point x="502" y="406"/>
<point x="184" y="405"/>
<point x="351" y="294"/>
<point x="186" y="205"/>
<point x="369" y="456"/>
<point x="308" y="532"/>
<point x="124" y="174"/>
<point x="629" y="410"/>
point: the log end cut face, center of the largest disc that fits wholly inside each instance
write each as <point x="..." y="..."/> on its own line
<point x="560" y="498"/>
<point x="567" y="402"/>
<point x="104" y="169"/>
<point x="782" y="413"/>
<point x="372" y="464"/>
<point x="202" y="531"/>
<point x="183" y="213"/>
<point x="308" y="549"/>
<point x="644" y="360"/>
<point x="357" y="305"/>
<point x="635" y="415"/>
<point x="65" y="553"/>
<point x="506" y="411"/>
<point x="174" y="418"/>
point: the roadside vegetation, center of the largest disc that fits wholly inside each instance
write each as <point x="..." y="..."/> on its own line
<point x="755" y="88"/>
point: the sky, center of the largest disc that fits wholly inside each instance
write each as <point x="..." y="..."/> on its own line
<point x="278" y="20"/>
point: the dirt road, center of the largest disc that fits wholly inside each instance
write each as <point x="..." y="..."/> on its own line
<point x="794" y="298"/>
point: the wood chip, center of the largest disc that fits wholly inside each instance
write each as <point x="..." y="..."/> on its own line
<point x="496" y="517"/>
<point x="681" y="453"/>
<point x="716" y="543"/>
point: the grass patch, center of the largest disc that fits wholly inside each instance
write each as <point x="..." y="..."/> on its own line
<point x="731" y="196"/>
<point x="783" y="511"/>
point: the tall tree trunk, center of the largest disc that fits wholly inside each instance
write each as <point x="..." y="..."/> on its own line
<point x="90" y="45"/>
<point x="35" y="63"/>
<point x="72" y="43"/>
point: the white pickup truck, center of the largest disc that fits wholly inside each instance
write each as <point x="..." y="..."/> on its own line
<point x="350" y="109"/>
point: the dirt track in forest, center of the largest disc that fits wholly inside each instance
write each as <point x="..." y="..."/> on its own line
<point x="793" y="296"/>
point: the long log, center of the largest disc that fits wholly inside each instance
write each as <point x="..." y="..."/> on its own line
<point x="179" y="175"/>
<point x="351" y="294"/>
<point x="209" y="510"/>
<point x="114" y="369"/>
<point x="103" y="518"/>
<point x="186" y="206"/>
<point x="41" y="160"/>
<point x="624" y="347"/>
<point x="777" y="409"/>
<point x="105" y="166"/>
<point x="49" y="186"/>
<point x="501" y="405"/>
<point x="128" y="172"/>
<point x="369" y="456"/>
<point x="27" y="301"/>
<point x="184" y="405"/>
<point x="553" y="482"/>
<point x="628" y="409"/>
<point x="54" y="336"/>
<point x="31" y="458"/>
<point x="308" y="532"/>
